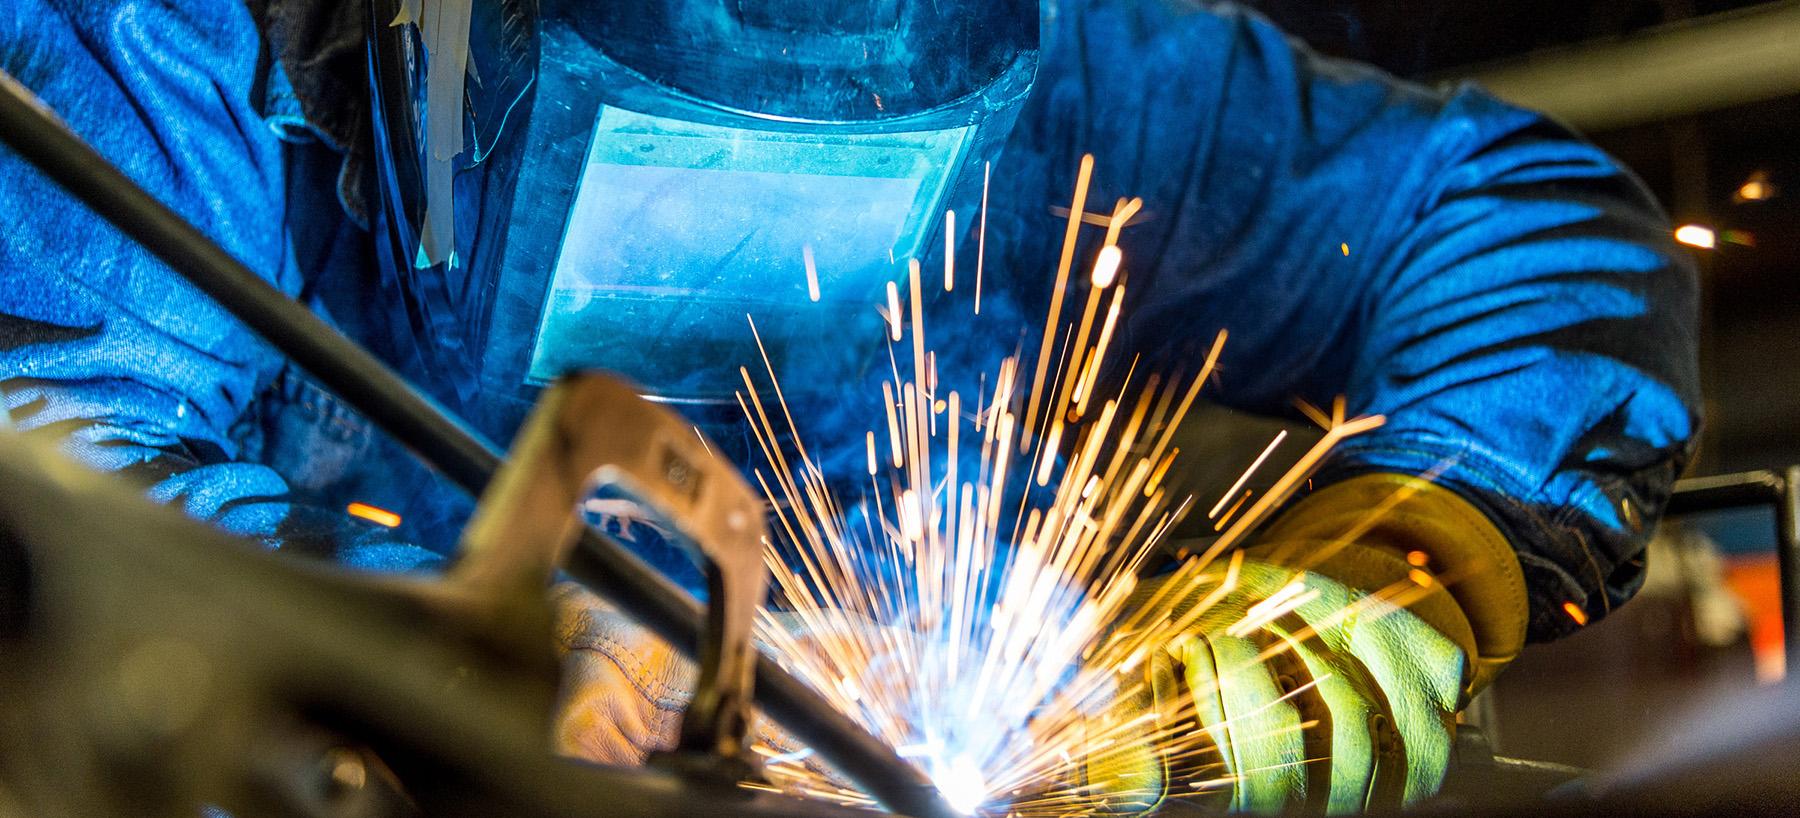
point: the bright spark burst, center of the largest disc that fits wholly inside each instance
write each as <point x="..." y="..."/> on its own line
<point x="976" y="622"/>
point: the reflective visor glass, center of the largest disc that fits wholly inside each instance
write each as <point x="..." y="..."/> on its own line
<point x="678" y="228"/>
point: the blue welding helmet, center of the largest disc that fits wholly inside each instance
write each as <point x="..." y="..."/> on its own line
<point x="570" y="184"/>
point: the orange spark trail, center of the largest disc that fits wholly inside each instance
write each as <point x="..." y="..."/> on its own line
<point x="983" y="628"/>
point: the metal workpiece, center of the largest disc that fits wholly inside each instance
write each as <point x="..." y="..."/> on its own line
<point x="1731" y="755"/>
<point x="155" y="664"/>
<point x="1476" y="777"/>
<point x="439" y="439"/>
<point x="801" y="711"/>
<point x="591" y="431"/>
<point x="1777" y="490"/>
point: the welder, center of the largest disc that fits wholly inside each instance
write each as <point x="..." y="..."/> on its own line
<point x="491" y="194"/>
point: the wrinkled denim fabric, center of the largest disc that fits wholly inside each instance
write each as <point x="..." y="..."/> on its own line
<point x="1506" y="294"/>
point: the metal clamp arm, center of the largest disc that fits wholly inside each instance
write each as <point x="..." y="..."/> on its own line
<point x="591" y="430"/>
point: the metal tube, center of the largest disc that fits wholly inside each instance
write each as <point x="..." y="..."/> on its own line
<point x="1787" y="549"/>
<point x="1721" y="492"/>
<point x="434" y="435"/>
<point x="306" y="655"/>
<point x="1781" y="492"/>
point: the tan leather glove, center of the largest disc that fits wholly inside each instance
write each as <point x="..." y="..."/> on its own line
<point x="624" y="689"/>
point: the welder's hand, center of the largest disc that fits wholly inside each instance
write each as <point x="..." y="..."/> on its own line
<point x="1338" y="702"/>
<point x="1337" y="699"/>
<point x="623" y="689"/>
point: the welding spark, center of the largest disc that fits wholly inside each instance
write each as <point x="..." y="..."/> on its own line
<point x="971" y="608"/>
<point x="960" y="782"/>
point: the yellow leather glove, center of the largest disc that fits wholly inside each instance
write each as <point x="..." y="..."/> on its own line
<point x="1347" y="701"/>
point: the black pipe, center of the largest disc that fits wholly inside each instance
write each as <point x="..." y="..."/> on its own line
<point x="1777" y="490"/>
<point x="434" y="435"/>
<point x="1721" y="492"/>
<point x="1787" y="549"/>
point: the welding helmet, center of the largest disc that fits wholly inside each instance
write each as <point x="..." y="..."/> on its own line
<point x="570" y="184"/>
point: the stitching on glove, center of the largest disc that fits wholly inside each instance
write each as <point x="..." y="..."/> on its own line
<point x="662" y="695"/>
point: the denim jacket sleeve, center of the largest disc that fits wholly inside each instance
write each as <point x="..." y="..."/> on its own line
<point x="1507" y="295"/>
<point x="101" y="345"/>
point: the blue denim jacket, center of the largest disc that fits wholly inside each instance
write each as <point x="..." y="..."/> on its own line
<point x="1505" y="293"/>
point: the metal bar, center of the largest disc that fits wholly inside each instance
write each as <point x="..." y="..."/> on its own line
<point x="282" y="663"/>
<point x="1787" y="549"/>
<point x="591" y="429"/>
<point x="1722" y="492"/>
<point x="1779" y="491"/>
<point x="30" y="128"/>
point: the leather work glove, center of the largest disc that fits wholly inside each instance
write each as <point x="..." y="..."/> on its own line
<point x="1410" y="602"/>
<point x="624" y="689"/>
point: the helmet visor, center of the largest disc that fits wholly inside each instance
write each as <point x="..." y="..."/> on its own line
<point x="679" y="229"/>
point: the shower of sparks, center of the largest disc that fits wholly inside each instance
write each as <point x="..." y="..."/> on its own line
<point x="971" y="609"/>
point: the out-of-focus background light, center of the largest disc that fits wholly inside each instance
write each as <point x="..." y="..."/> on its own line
<point x="1757" y="188"/>
<point x="1696" y="235"/>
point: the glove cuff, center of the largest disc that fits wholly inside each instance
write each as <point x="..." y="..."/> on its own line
<point x="1370" y="532"/>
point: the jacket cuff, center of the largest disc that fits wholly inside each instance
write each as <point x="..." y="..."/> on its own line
<point x="1380" y="531"/>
